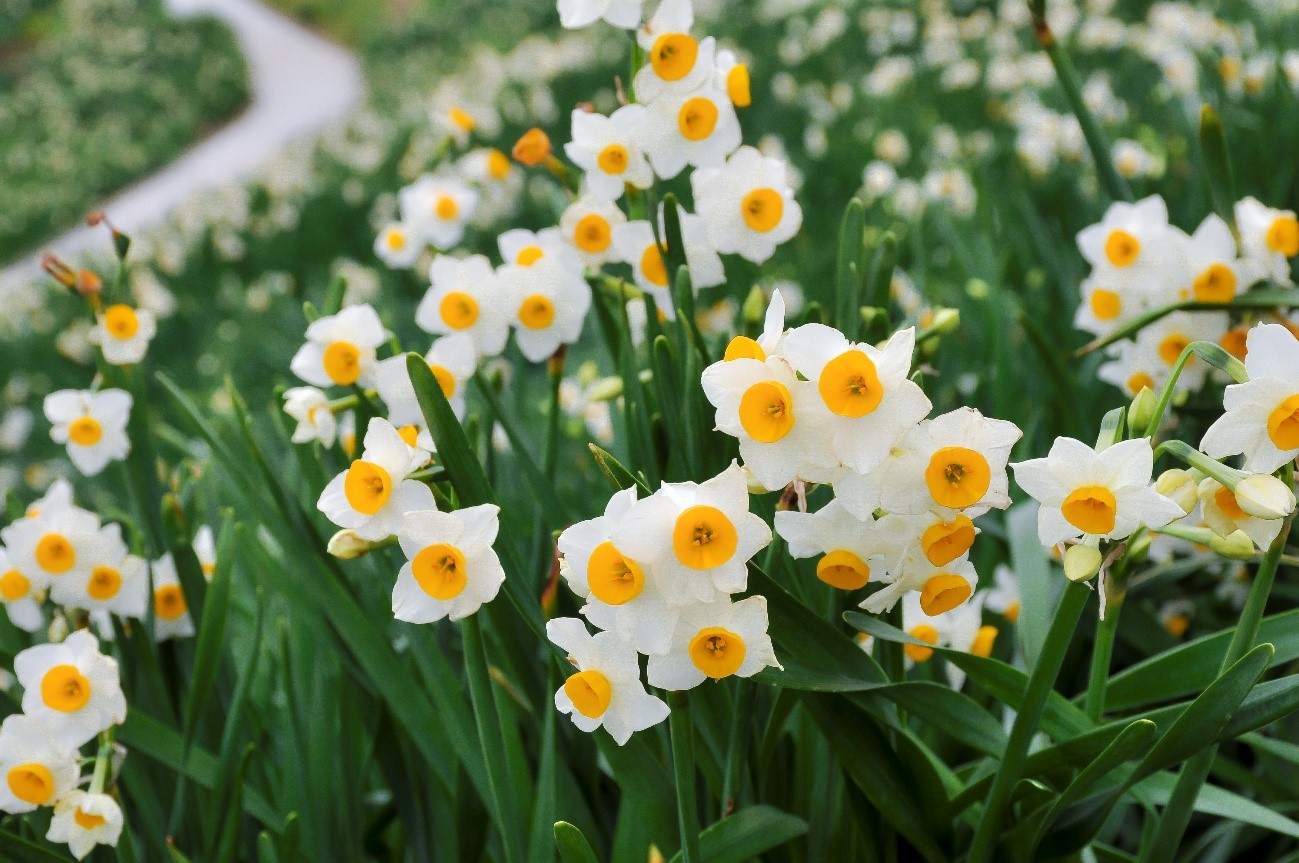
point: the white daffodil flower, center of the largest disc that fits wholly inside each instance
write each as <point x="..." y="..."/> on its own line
<point x="747" y="205"/>
<point x="549" y="303"/>
<point x="436" y="209"/>
<point x="465" y="297"/>
<point x="1269" y="238"/>
<point x="451" y="569"/>
<point x="576" y="14"/>
<point x="1083" y="492"/>
<point x="731" y="75"/>
<point x="867" y="391"/>
<point x="123" y="333"/>
<point x="607" y="689"/>
<point x="941" y="587"/>
<point x="773" y="332"/>
<point x="53" y="544"/>
<point x="82" y="821"/>
<point x="72" y="689"/>
<point x="608" y="150"/>
<point x="37" y="771"/>
<point x="1216" y="275"/>
<point x="526" y="248"/>
<point x="340" y="349"/>
<point x="696" y="127"/>
<point x="848" y="545"/>
<point x="961" y="628"/>
<point x="635" y="244"/>
<point x="372" y="496"/>
<point x="18" y="594"/>
<point x="398" y="246"/>
<point x="205" y="550"/>
<point x="1133" y="245"/>
<point x="92" y="425"/>
<point x="1004" y="598"/>
<point x="1262" y="415"/>
<point x="113" y="580"/>
<point x="715" y="640"/>
<point x="310" y="408"/>
<point x="1222" y="512"/>
<point x="588" y="226"/>
<point x="171" y="617"/>
<point x="452" y="361"/>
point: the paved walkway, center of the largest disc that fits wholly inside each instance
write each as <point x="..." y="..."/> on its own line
<point x="300" y="84"/>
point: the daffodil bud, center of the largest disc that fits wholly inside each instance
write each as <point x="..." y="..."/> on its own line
<point x="946" y="321"/>
<point x="1237" y="546"/>
<point x="871" y="314"/>
<point x="587" y="372"/>
<point x="755" y="306"/>
<point x="347" y="545"/>
<point x="58" y="630"/>
<point x="1082" y="562"/>
<point x="532" y="148"/>
<point x="1264" y="496"/>
<point x="605" y="389"/>
<point x="1178" y="485"/>
<point x="1142" y="410"/>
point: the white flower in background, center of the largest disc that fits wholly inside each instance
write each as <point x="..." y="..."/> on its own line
<point x="83" y="820"/>
<point x="847" y="544"/>
<point x="1106" y="305"/>
<point x="398" y="246"/>
<point x="340" y="349"/>
<point x="171" y="617"/>
<point x="56" y="542"/>
<point x="436" y="209"/>
<point x="1004" y="597"/>
<point x="36" y="770"/>
<point x="953" y="463"/>
<point x="372" y="495"/>
<point x="961" y="629"/>
<point x="92" y="425"/>
<point x="608" y="150"/>
<point x="451" y="569"/>
<point x="607" y="689"/>
<point x="205" y="551"/>
<point x="678" y="63"/>
<point x="18" y="595"/>
<point x="671" y="16"/>
<point x="549" y="302"/>
<point x="1083" y="492"/>
<point x="1216" y="275"/>
<point x="747" y="205"/>
<point x="733" y="76"/>
<point x="1262" y="415"/>
<point x="588" y="225"/>
<point x="1132" y="367"/>
<point x="310" y="408"/>
<point x="1133" y="245"/>
<point x="865" y="389"/>
<point x="525" y="248"/>
<point x="123" y="333"/>
<point x="715" y="640"/>
<point x="941" y="588"/>
<point x="778" y="420"/>
<point x="1269" y="238"/>
<point x="1222" y="512"/>
<point x="1132" y="160"/>
<point x="465" y="297"/>
<point x="697" y="128"/>
<point x="622" y="595"/>
<point x="452" y="362"/>
<point x="72" y="689"/>
<point x="635" y="244"/>
<point x="459" y="120"/>
<point x="698" y="537"/>
<point x="113" y="580"/>
<point x="575" y="14"/>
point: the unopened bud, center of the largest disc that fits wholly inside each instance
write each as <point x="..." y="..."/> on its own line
<point x="62" y="273"/>
<point x="348" y="545"/>
<point x="88" y="284"/>
<point x="1082" y="562"/>
<point x="58" y="629"/>
<point x="1264" y="496"/>
<point x="871" y="314"/>
<point x="1180" y="486"/>
<point x="754" y="309"/>
<point x="1237" y="546"/>
<point x="605" y="389"/>
<point x="588" y="372"/>
<point x="533" y="148"/>
<point x="1142" y="410"/>
<point x="946" y="321"/>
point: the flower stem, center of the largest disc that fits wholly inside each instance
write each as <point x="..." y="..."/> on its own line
<point x="1040" y="684"/>
<point x="103" y="760"/>
<point x="1103" y="651"/>
<point x="683" y="768"/>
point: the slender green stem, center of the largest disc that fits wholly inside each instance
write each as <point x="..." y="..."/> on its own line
<point x="682" y="729"/>
<point x="1114" y="184"/>
<point x="1040" y="684"/>
<point x="741" y="720"/>
<point x="103" y="760"/>
<point x="1102" y="652"/>
<point x="480" y="693"/>
<point x="1177" y="814"/>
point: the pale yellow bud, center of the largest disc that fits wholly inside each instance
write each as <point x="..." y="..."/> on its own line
<point x="1082" y="562"/>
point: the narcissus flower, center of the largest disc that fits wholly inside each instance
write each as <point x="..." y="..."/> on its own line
<point x="205" y="551"/>
<point x="1132" y="245"/>
<point x="83" y="820"/>
<point x="372" y="495"/>
<point x="608" y="149"/>
<point x="622" y="595"/>
<point x="635" y="244"/>
<point x="452" y="361"/>
<point x="1210" y="254"/>
<point x="941" y="588"/>
<point x="1262" y="415"/>
<point x="55" y="543"/>
<point x="776" y="417"/>
<point x="865" y="389"/>
<point x="171" y="617"/>
<point x="768" y="343"/>
<point x="1106" y="306"/>
<point x="36" y="771"/>
<point x="733" y="76"/>
<point x="465" y="298"/>
<point x="398" y="246"/>
<point x="607" y="689"/>
<point x="1269" y="238"/>
<point x="1083" y="492"/>
<point x="747" y="205"/>
<point x="123" y="333"/>
<point x="1222" y="512"/>
<point x="697" y="536"/>
<point x="437" y="209"/>
<point x="340" y="349"/>
<point x="961" y="628"/>
<point x="451" y="569"/>
<point x="575" y="14"/>
<point x="92" y="425"/>
<point x="525" y="248"/>
<point x="588" y="225"/>
<point x="316" y="422"/>
<point x="1004" y="597"/>
<point x="671" y="16"/>
<point x="113" y="581"/>
<point x="715" y="640"/>
<point x="848" y="545"/>
<point x="72" y="689"/>
<point x="697" y="128"/>
<point x="549" y="302"/>
<point x="18" y="595"/>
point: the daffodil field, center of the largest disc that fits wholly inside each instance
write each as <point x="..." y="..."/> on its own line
<point x="684" y="431"/>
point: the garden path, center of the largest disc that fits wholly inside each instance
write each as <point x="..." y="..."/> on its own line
<point x="300" y="83"/>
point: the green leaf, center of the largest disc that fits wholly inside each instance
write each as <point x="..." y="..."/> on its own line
<point x="618" y="476"/>
<point x="212" y="628"/>
<point x="572" y="845"/>
<point x="1217" y="166"/>
<point x="947" y="711"/>
<point x="848" y="276"/>
<point x="1213" y="800"/>
<point x="746" y="834"/>
<point x="21" y="850"/>
<point x="544" y="490"/>
<point x="1039" y="588"/>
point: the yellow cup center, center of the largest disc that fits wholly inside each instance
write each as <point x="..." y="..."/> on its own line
<point x="1140" y="381"/>
<point x="767" y="411"/>
<point x="1091" y="509"/>
<point x="703" y="537"/>
<point x="958" y="477"/>
<point x="943" y="593"/>
<point x="409" y="434"/>
<point x="105" y="582"/>
<point x="85" y="431"/>
<point x="1233" y="342"/>
<point x="762" y="209"/>
<point x="1283" y="424"/>
<point x="65" y="689"/>
<point x="1177" y="624"/>
<point x="612" y="159"/>
<point x="924" y="632"/>
<point x="343" y="363"/>
<point x="1283" y="236"/>
<point x="367" y="487"/>
<point x="1171" y="347"/>
<point x="169" y="602"/>
<point x="31" y="783"/>
<point x="590" y="693"/>
<point x="446" y="208"/>
<point x="652" y="266"/>
<point x="529" y="255"/>
<point x="458" y="310"/>
<point x="1012" y="612"/>
<point x="498" y="164"/>
<point x="743" y="348"/>
<point x="1106" y="304"/>
<point x="1122" y="248"/>
<point x="396" y="240"/>
<point x="536" y="312"/>
<point x="844" y="570"/>
<point x="946" y="541"/>
<point x="592" y="234"/>
<point x="1225" y="498"/>
<point x="462" y="120"/>
<point x="121" y="321"/>
<point x="697" y="118"/>
<point x="13" y="585"/>
<point x="737" y="86"/>
<point x="613" y="578"/>
<point x="984" y="639"/>
<point x="674" y="55"/>
<point x="445" y="379"/>
<point x="87" y="820"/>
<point x="439" y="570"/>
<point x="1217" y="284"/>
<point x="850" y="385"/>
<point x="717" y="652"/>
<point x="55" y="554"/>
